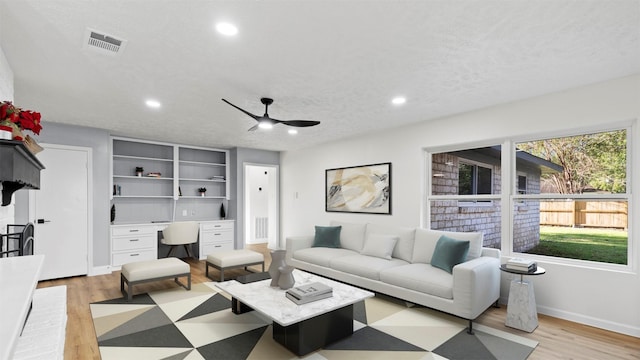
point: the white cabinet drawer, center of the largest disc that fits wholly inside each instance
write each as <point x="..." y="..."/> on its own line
<point x="123" y="258"/>
<point x="140" y="241"/>
<point x="133" y="230"/>
<point x="216" y="236"/>
<point x="211" y="248"/>
<point x="208" y="226"/>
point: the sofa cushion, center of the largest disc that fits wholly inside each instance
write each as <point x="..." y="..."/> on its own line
<point x="327" y="236"/>
<point x="379" y="245"/>
<point x="404" y="246"/>
<point x="321" y="255"/>
<point x="449" y="253"/>
<point x="426" y="239"/>
<point x="363" y="265"/>
<point x="420" y="277"/>
<point x="351" y="235"/>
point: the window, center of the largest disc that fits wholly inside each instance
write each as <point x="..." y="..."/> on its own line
<point x="465" y="192"/>
<point x="473" y="179"/>
<point x="576" y="205"/>
<point x="522" y="184"/>
<point x="567" y="196"/>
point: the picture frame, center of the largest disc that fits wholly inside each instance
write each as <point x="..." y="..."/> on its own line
<point x="359" y="189"/>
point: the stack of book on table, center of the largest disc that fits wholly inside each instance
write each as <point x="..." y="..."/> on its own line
<point x="309" y="292"/>
<point x="520" y="264"/>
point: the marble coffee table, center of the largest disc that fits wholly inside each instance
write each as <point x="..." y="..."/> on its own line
<point x="300" y="328"/>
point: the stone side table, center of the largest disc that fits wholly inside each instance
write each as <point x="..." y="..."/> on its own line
<point x="521" y="309"/>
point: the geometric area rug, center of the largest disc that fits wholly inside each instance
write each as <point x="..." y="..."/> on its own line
<point x="176" y="324"/>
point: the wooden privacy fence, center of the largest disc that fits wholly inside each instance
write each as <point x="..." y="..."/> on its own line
<point x="604" y="214"/>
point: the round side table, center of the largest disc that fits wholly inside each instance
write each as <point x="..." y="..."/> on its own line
<point x="521" y="309"/>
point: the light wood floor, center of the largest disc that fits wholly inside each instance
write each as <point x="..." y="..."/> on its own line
<point x="558" y="339"/>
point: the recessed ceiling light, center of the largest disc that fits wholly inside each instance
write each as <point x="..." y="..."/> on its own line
<point x="399" y="100"/>
<point x="293" y="131"/>
<point x="227" y="29"/>
<point x="154" y="104"/>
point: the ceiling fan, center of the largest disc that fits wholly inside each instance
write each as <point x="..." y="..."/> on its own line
<point x="266" y="122"/>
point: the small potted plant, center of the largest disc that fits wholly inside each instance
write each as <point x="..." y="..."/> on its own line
<point x="202" y="191"/>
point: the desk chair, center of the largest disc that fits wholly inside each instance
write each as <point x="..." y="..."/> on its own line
<point x="180" y="233"/>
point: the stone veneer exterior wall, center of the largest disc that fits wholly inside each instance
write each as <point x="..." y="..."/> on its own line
<point x="485" y="217"/>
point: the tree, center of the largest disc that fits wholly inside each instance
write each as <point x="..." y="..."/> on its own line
<point x="593" y="161"/>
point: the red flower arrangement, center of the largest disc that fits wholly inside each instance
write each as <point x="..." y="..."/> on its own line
<point x="17" y="118"/>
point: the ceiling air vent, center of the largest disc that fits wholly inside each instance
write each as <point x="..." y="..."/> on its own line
<point x="103" y="43"/>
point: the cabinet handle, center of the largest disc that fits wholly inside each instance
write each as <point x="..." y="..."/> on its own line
<point x="134" y="240"/>
<point x="134" y="230"/>
<point x="218" y="246"/>
<point x="217" y="234"/>
<point x="134" y="254"/>
<point x="217" y="225"/>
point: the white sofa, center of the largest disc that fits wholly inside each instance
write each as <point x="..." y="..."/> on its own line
<point x="467" y="292"/>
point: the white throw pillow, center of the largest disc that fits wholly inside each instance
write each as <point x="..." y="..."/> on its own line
<point x="379" y="245"/>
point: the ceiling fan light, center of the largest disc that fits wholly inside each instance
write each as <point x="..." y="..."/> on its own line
<point x="265" y="125"/>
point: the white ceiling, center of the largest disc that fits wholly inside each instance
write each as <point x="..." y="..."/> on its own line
<point x="340" y="62"/>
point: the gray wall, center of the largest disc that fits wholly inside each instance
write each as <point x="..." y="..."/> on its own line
<point x="98" y="140"/>
<point x="239" y="156"/>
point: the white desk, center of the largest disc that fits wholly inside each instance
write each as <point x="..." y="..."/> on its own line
<point x="139" y="241"/>
<point x="18" y="280"/>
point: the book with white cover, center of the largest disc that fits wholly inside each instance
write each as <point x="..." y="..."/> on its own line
<point x="309" y="290"/>
<point x="520" y="262"/>
<point x="309" y="298"/>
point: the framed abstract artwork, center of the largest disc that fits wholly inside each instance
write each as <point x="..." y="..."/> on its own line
<point x="359" y="189"/>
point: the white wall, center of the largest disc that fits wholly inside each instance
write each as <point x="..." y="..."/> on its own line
<point x="607" y="299"/>
<point x="6" y="93"/>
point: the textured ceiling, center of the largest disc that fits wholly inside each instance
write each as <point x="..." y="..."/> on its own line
<point x="339" y="62"/>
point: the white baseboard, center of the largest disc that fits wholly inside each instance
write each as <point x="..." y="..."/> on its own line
<point x="584" y="319"/>
<point x="591" y="321"/>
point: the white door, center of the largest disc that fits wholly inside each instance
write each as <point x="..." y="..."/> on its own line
<point x="60" y="211"/>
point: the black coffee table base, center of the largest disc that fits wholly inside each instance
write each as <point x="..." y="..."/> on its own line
<point x="312" y="334"/>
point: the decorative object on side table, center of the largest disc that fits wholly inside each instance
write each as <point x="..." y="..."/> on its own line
<point x="277" y="261"/>
<point x="286" y="280"/>
<point x="202" y="191"/>
<point x="16" y="120"/>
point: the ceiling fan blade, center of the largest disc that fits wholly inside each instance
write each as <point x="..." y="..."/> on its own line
<point x="300" y="123"/>
<point x="253" y="128"/>
<point x="255" y="117"/>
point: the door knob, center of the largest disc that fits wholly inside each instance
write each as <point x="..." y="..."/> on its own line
<point x="42" y="221"/>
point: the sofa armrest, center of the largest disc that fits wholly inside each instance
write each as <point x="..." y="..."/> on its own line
<point x="490" y="252"/>
<point x="295" y="243"/>
<point x="476" y="284"/>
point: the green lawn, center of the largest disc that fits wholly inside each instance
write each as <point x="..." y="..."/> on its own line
<point x="603" y="245"/>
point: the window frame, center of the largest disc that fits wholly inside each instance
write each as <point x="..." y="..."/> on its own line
<point x="509" y="197"/>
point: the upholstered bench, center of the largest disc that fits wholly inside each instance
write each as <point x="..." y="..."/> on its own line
<point x="151" y="270"/>
<point x="230" y="259"/>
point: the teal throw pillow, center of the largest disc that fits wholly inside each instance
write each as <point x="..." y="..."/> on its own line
<point x="327" y="236"/>
<point x="449" y="253"/>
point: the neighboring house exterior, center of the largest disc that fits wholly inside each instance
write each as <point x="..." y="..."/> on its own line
<point x="477" y="172"/>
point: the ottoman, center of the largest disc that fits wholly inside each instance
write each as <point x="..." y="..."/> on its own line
<point x="230" y="259"/>
<point x="151" y="270"/>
